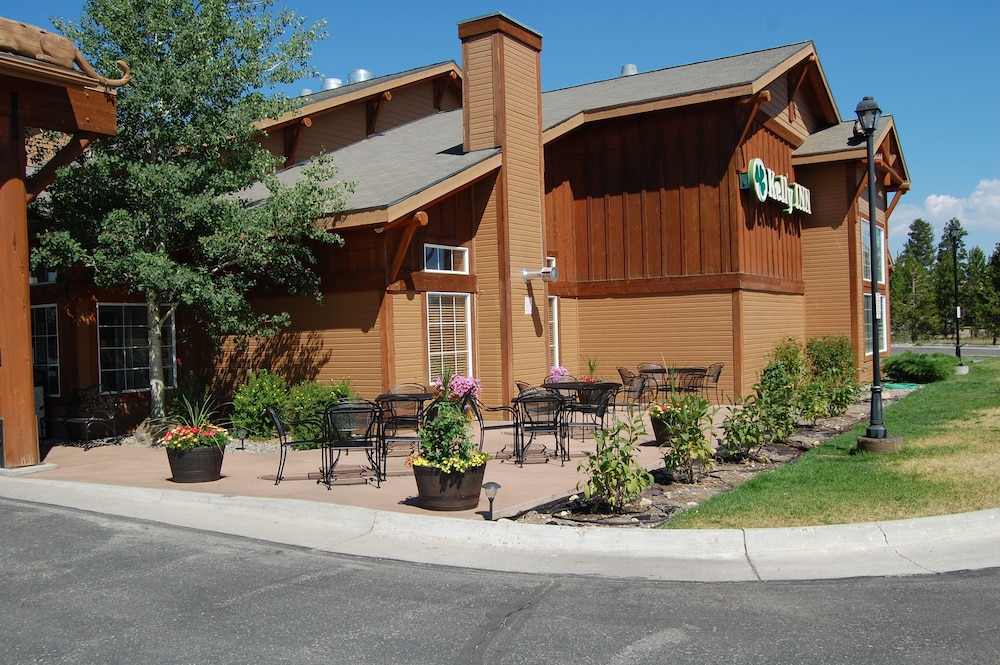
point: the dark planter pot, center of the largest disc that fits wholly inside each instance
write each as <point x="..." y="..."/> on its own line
<point x="660" y="432"/>
<point x="449" y="491"/>
<point x="197" y="465"/>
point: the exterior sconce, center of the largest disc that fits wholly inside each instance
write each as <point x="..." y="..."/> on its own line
<point x="546" y="274"/>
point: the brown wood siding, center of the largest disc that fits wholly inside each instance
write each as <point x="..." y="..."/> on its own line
<point x="770" y="238"/>
<point x="826" y="251"/>
<point x="676" y="330"/>
<point x="408" y="339"/>
<point x="489" y="305"/>
<point x="643" y="197"/>
<point x="407" y="105"/>
<point x="339" y="340"/>
<point x="778" y="107"/>
<point x="479" y="93"/>
<point x="332" y="131"/>
<point x="767" y="319"/>
<point x="523" y="204"/>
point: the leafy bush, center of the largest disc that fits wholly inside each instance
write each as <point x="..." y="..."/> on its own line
<point x="744" y="430"/>
<point x="615" y="479"/>
<point x="262" y="388"/>
<point x="832" y="375"/>
<point x="687" y="421"/>
<point x="789" y="353"/>
<point x="919" y="367"/>
<point x="303" y="402"/>
<point x="777" y="400"/>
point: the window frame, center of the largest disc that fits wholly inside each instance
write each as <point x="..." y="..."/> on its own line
<point x="123" y="373"/>
<point x="48" y="365"/>
<point x="466" y="308"/>
<point x="866" y="267"/>
<point x="455" y="251"/>
<point x="883" y="328"/>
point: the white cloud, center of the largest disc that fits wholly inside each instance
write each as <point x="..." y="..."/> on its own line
<point x="979" y="214"/>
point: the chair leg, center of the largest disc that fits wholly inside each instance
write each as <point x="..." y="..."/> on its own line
<point x="281" y="464"/>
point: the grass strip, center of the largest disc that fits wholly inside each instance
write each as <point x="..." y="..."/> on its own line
<point x="950" y="463"/>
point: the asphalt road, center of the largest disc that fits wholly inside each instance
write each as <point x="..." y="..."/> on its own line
<point x="80" y="587"/>
<point x="968" y="350"/>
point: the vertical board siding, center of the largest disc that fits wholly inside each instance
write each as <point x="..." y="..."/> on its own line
<point x="648" y="196"/>
<point x="677" y="330"/>
<point x="767" y="319"/>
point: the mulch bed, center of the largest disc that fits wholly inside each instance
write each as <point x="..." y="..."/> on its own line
<point x="666" y="497"/>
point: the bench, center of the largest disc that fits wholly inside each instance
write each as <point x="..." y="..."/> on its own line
<point x="92" y="410"/>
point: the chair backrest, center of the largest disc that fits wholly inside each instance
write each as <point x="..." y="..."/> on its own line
<point x="401" y="410"/>
<point x="651" y="367"/>
<point x="713" y="373"/>
<point x="525" y="387"/>
<point x="691" y="378"/>
<point x="278" y="422"/>
<point x="540" y="409"/>
<point x="407" y="389"/>
<point x="352" y="423"/>
<point x="632" y="382"/>
<point x="604" y="401"/>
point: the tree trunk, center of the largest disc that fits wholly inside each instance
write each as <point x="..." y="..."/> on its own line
<point x="155" y="342"/>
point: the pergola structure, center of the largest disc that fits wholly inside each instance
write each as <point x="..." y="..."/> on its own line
<point x="39" y="88"/>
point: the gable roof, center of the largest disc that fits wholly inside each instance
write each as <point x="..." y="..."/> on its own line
<point x="399" y="170"/>
<point x="723" y="78"/>
<point x="841" y="143"/>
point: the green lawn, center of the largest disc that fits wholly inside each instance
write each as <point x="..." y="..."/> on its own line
<point x="950" y="463"/>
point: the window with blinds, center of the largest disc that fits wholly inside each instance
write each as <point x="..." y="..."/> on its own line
<point x="449" y="334"/>
<point x="554" y="331"/>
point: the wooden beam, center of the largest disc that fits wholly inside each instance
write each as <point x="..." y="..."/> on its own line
<point x="410" y="225"/>
<point x="47" y="174"/>
<point x="293" y="134"/>
<point x="798" y="84"/>
<point x="756" y="101"/>
<point x="905" y="187"/>
<point x="374" y="108"/>
<point x="67" y="110"/>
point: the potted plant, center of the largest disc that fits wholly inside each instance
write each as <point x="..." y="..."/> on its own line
<point x="196" y="447"/>
<point x="448" y="468"/>
<point x="682" y="427"/>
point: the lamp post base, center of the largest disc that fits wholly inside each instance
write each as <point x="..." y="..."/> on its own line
<point x="887" y="444"/>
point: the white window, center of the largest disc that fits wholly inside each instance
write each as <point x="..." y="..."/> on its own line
<point x="442" y="258"/>
<point x="45" y="346"/>
<point x="123" y="346"/>
<point x="449" y="334"/>
<point x="883" y="328"/>
<point x="866" y="251"/>
<point x="554" y="330"/>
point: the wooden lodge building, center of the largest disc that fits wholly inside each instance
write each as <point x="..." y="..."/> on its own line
<point x="694" y="214"/>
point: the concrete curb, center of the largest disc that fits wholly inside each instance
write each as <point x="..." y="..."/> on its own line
<point x="909" y="547"/>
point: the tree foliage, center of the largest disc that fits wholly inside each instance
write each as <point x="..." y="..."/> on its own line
<point x="156" y="210"/>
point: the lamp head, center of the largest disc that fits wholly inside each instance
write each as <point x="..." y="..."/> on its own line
<point x="491" y="489"/>
<point x="868" y="114"/>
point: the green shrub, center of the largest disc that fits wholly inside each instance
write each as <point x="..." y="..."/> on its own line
<point x="831" y="358"/>
<point x="919" y="367"/>
<point x="615" y="479"/>
<point x="744" y="431"/>
<point x="262" y="388"/>
<point x="777" y="400"/>
<point x="789" y="353"/>
<point x="687" y="422"/>
<point x="304" y="402"/>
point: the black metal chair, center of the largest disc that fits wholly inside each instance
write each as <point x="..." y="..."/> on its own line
<point x="353" y="426"/>
<point x="656" y="377"/>
<point x="634" y="388"/>
<point x="525" y="387"/>
<point x="402" y="416"/>
<point x="590" y="416"/>
<point x="478" y="409"/>
<point x="712" y="375"/>
<point x="538" y="412"/>
<point x="285" y="430"/>
<point x="688" y="379"/>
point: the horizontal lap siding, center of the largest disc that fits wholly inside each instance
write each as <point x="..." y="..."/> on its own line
<point x="488" y="308"/>
<point x="408" y="344"/>
<point x="677" y="330"/>
<point x="327" y="344"/>
<point x="479" y="94"/>
<point x="332" y="131"/>
<point x="767" y="319"/>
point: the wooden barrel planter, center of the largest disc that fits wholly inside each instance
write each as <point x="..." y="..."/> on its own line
<point x="195" y="465"/>
<point x="437" y="490"/>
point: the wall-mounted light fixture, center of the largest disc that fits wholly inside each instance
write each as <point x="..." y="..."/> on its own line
<point x="546" y="274"/>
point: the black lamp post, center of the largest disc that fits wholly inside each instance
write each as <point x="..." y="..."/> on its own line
<point x="868" y="115"/>
<point x="954" y="236"/>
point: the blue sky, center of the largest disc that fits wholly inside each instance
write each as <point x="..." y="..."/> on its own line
<point x="935" y="66"/>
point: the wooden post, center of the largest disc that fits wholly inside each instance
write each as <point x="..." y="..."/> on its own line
<point x="17" y="394"/>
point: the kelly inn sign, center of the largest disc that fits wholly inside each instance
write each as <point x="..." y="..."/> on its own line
<point x="767" y="185"/>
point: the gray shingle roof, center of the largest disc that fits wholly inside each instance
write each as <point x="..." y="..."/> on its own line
<point x="393" y="165"/>
<point x="406" y="160"/>
<point x="349" y="88"/>
<point x="837" y="139"/>
<point x="738" y="70"/>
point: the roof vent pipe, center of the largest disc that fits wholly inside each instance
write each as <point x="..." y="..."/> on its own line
<point x="629" y="70"/>
<point x="331" y="83"/>
<point x="305" y="91"/>
<point x="359" y="75"/>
